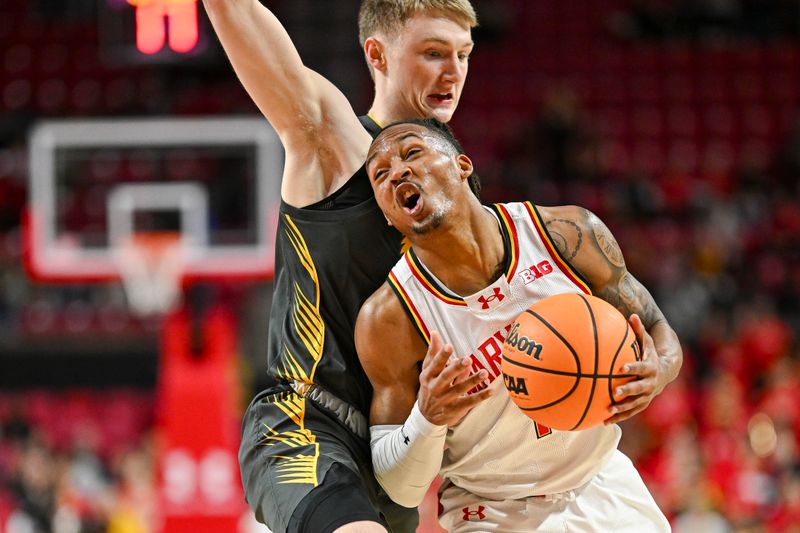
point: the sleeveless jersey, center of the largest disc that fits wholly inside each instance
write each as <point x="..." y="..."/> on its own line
<point x="329" y="258"/>
<point x="496" y="451"/>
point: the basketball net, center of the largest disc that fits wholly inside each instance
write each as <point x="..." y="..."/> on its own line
<point x="151" y="265"/>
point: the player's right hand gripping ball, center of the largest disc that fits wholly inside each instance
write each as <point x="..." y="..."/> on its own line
<point x="563" y="359"/>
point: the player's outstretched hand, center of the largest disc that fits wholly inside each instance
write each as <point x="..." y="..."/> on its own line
<point x="443" y="385"/>
<point x="637" y="394"/>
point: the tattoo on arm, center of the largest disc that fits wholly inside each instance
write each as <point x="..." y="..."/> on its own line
<point x="559" y="229"/>
<point x="606" y="242"/>
<point x="624" y="292"/>
<point x="630" y="296"/>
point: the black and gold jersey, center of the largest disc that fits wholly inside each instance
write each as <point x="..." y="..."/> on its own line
<point x="329" y="258"/>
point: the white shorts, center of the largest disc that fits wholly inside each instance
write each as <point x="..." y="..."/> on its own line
<point x="616" y="500"/>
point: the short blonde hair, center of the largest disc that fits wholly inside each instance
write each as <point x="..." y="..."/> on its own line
<point x="388" y="16"/>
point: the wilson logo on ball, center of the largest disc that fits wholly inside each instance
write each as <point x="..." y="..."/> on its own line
<point x="523" y="343"/>
<point x="588" y="343"/>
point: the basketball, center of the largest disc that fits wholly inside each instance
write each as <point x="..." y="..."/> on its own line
<point x="563" y="358"/>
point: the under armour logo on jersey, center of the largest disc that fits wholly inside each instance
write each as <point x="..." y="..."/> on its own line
<point x="405" y="437"/>
<point x="492" y="297"/>
<point x="470" y="515"/>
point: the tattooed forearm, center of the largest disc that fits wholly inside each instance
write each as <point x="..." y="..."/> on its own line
<point x="566" y="235"/>
<point x="606" y="241"/>
<point x="630" y="296"/>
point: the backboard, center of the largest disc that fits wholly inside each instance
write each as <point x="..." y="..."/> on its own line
<point x="96" y="183"/>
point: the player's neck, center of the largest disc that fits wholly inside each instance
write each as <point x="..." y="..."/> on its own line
<point x="466" y="254"/>
<point x="386" y="111"/>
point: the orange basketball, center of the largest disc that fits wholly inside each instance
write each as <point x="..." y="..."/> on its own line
<point x="563" y="358"/>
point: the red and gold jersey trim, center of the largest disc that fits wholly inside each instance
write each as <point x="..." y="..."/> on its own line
<point x="408" y="305"/>
<point x="510" y="232"/>
<point x="563" y="265"/>
<point x="431" y="285"/>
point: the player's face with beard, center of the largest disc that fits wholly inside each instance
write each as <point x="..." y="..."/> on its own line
<point x="417" y="177"/>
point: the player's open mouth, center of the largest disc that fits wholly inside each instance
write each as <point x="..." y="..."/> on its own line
<point x="407" y="196"/>
<point x="442" y="98"/>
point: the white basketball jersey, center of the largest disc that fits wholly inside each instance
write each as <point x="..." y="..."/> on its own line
<point x="496" y="451"/>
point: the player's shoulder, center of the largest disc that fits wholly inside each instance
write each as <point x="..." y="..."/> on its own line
<point x="568" y="227"/>
<point x="383" y="329"/>
<point x="526" y="210"/>
<point x="379" y="312"/>
<point x="572" y="217"/>
<point x="569" y="213"/>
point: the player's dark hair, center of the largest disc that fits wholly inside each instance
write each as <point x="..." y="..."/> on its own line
<point x="444" y="132"/>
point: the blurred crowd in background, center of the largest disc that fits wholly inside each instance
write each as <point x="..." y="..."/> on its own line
<point x="78" y="461"/>
<point x="676" y="122"/>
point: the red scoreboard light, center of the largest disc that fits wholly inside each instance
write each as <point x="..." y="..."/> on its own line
<point x="152" y="30"/>
<point x="166" y="21"/>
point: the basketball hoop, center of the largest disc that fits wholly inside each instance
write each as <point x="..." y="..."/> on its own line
<point x="151" y="266"/>
<point x="225" y="245"/>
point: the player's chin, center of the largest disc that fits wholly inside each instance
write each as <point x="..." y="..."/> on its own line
<point x="427" y="224"/>
<point x="443" y="112"/>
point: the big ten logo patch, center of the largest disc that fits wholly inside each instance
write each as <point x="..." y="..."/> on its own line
<point x="473" y="514"/>
<point x="536" y="271"/>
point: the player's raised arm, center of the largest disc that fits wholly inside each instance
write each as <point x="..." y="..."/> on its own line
<point x="414" y="400"/>
<point x="307" y="111"/>
<point x="588" y="245"/>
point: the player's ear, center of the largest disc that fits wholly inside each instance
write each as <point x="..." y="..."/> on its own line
<point x="374" y="51"/>
<point x="465" y="165"/>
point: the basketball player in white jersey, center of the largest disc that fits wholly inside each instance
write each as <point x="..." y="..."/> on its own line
<point x="430" y="339"/>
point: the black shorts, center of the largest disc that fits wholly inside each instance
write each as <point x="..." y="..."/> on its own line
<point x="303" y="470"/>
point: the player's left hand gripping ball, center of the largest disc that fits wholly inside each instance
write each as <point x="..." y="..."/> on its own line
<point x="634" y="396"/>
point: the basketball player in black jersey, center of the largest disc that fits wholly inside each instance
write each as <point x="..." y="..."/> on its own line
<point x="304" y="455"/>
